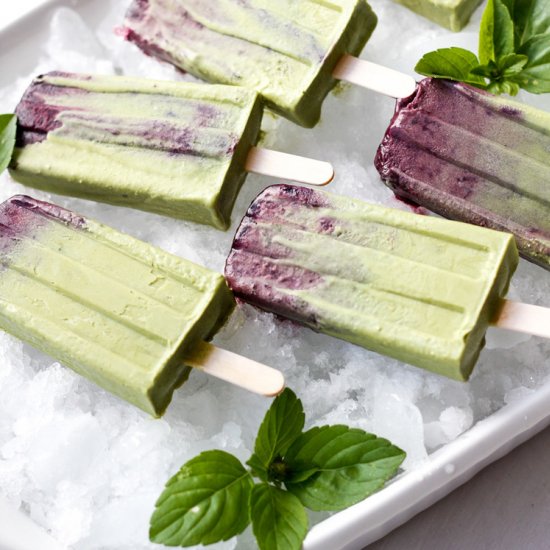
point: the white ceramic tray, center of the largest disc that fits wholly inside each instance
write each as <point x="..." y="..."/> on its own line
<point x="407" y="495"/>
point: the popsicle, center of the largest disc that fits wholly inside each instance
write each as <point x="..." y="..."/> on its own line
<point x="452" y="14"/>
<point x="130" y="317"/>
<point x="417" y="288"/>
<point x="291" y="51"/>
<point x="474" y="157"/>
<point x="178" y="149"/>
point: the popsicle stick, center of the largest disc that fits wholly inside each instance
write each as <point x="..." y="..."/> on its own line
<point x="237" y="370"/>
<point x="290" y="167"/>
<point x="374" y="77"/>
<point x="525" y="318"/>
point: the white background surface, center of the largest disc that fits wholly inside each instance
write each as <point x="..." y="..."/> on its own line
<point x="505" y="507"/>
<point x="13" y="9"/>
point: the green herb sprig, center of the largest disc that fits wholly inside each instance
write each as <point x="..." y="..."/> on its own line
<point x="8" y="125"/>
<point x="514" y="50"/>
<point x="214" y="497"/>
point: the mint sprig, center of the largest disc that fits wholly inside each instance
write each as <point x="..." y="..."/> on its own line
<point x="8" y="125"/>
<point x="513" y="53"/>
<point x="213" y="497"/>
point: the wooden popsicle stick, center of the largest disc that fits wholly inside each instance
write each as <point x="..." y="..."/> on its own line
<point x="374" y="77"/>
<point x="236" y="369"/>
<point x="525" y="318"/>
<point x="290" y="167"/>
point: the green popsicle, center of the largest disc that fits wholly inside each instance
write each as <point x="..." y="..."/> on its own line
<point x="113" y="308"/>
<point x="452" y="14"/>
<point x="173" y="148"/>
<point x="286" y="50"/>
<point x="417" y="288"/>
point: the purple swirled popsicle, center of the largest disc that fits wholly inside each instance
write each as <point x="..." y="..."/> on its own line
<point x="174" y="148"/>
<point x="417" y="288"/>
<point x="285" y="50"/>
<point x="473" y="157"/>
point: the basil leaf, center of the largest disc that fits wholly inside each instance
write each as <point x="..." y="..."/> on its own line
<point x="511" y="64"/>
<point x="535" y="76"/>
<point x="205" y="502"/>
<point x="279" y="520"/>
<point x="451" y="63"/>
<point x="8" y="127"/>
<point x="531" y="18"/>
<point x="282" y="424"/>
<point x="496" y="33"/>
<point x="352" y="465"/>
<point x="506" y="66"/>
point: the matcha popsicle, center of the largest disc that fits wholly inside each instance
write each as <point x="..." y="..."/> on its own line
<point x="417" y="288"/>
<point x="130" y="317"/>
<point x="289" y="51"/>
<point x="452" y="14"/>
<point x="473" y="157"/>
<point x="174" y="148"/>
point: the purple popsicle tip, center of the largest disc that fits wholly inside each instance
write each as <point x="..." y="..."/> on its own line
<point x="22" y="217"/>
<point x="138" y="15"/>
<point x="137" y="9"/>
<point x="268" y="204"/>
<point x="469" y="156"/>
<point x="22" y="213"/>
<point x="255" y="268"/>
<point x="36" y="116"/>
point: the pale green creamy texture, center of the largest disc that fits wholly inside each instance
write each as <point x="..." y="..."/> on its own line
<point x="105" y="150"/>
<point x="285" y="50"/>
<point x="417" y="288"/>
<point x="114" y="309"/>
<point x="452" y="14"/>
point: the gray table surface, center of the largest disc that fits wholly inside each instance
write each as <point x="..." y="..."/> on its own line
<point x="504" y="507"/>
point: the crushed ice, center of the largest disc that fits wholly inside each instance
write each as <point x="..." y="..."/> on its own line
<point x="88" y="467"/>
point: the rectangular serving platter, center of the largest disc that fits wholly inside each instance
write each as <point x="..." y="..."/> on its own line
<point x="411" y="492"/>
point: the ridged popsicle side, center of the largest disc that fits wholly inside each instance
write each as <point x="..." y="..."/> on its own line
<point x="112" y="308"/>
<point x="416" y="288"/>
<point x="452" y="14"/>
<point x="177" y="149"/>
<point x="285" y="50"/>
<point x="473" y="157"/>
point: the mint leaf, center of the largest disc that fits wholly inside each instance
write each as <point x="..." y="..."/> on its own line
<point x="279" y="520"/>
<point x="535" y="76"/>
<point x="352" y="464"/>
<point x="8" y="126"/>
<point x="282" y="424"/>
<point x="205" y="502"/>
<point x="496" y="33"/>
<point x="213" y="498"/>
<point x="451" y="63"/>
